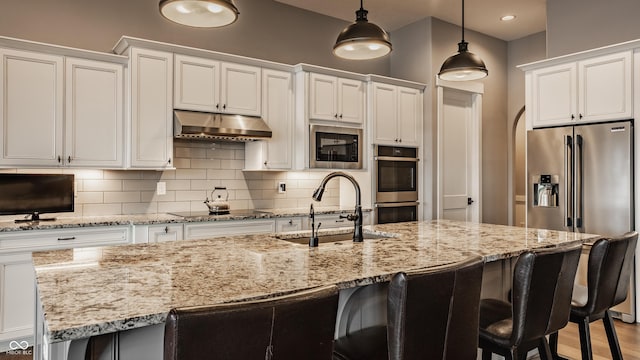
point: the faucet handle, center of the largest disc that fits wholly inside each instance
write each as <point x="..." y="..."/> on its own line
<point x="350" y="217"/>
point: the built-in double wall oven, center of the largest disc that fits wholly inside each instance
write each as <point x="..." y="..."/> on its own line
<point x="395" y="183"/>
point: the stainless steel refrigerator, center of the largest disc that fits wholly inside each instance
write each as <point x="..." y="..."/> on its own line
<point x="580" y="178"/>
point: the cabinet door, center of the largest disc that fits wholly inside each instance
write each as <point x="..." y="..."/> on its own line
<point x="350" y="100"/>
<point x="197" y="84"/>
<point x="604" y="88"/>
<point x="166" y="232"/>
<point x="409" y="116"/>
<point x="322" y="97"/>
<point x="278" y="113"/>
<point x="290" y="224"/>
<point x="94" y="114"/>
<point x="554" y="95"/>
<point x="385" y="114"/>
<point x="151" y="109"/>
<point x="31" y="109"/>
<point x="241" y="89"/>
<point x="17" y="283"/>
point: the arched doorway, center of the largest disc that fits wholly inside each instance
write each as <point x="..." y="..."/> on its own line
<point x="519" y="169"/>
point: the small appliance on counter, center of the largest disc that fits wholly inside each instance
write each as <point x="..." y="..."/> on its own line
<point x="217" y="205"/>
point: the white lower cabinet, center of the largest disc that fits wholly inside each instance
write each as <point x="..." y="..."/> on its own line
<point x="158" y="233"/>
<point x="227" y="228"/>
<point x="289" y="224"/>
<point x="17" y="278"/>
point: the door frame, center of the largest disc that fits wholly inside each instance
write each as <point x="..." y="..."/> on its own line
<point x="476" y="91"/>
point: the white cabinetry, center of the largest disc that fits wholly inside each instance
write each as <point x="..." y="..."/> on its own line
<point x="396" y="114"/>
<point x="158" y="233"/>
<point x="227" y="228"/>
<point x="31" y="108"/>
<point x="335" y="98"/>
<point x="151" y="109"/>
<point x="17" y="279"/>
<point x="594" y="89"/>
<point x="213" y="86"/>
<point x="277" y="110"/>
<point x="289" y="224"/>
<point x="94" y="124"/>
<point x="34" y="131"/>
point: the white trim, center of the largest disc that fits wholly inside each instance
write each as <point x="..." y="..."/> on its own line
<point x="468" y="86"/>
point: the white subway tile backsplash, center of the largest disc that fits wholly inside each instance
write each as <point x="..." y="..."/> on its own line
<point x="200" y="166"/>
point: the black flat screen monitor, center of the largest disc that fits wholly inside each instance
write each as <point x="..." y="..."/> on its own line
<point x="36" y="194"/>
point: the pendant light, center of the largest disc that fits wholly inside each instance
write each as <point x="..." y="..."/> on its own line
<point x="464" y="65"/>
<point x="200" y="13"/>
<point x="362" y="40"/>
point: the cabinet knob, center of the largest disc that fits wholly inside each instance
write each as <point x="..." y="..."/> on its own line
<point x="224" y="107"/>
<point x="166" y="229"/>
<point x="59" y="159"/>
<point x="69" y="159"/>
<point x="340" y="116"/>
<point x="290" y="222"/>
<point x="396" y="140"/>
<point x="265" y="163"/>
<point x="217" y="106"/>
<point x="335" y="116"/>
<point x="580" y="116"/>
<point x="399" y="140"/>
<point x="573" y="116"/>
<point x="169" y="161"/>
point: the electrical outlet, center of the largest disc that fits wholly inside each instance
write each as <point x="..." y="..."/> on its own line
<point x="282" y="187"/>
<point x="161" y="188"/>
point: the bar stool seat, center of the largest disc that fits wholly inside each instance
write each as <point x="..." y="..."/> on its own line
<point x="431" y="314"/>
<point x="292" y="327"/>
<point x="608" y="275"/>
<point x="541" y="291"/>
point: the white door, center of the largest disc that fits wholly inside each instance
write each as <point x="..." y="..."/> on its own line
<point x="458" y="155"/>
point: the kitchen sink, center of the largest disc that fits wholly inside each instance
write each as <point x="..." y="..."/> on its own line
<point x="326" y="238"/>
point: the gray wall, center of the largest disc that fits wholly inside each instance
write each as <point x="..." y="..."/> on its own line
<point x="521" y="51"/>
<point x="265" y="29"/>
<point x="577" y="25"/>
<point x="419" y="55"/>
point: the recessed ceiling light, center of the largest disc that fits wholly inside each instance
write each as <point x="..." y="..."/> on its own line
<point x="508" y="17"/>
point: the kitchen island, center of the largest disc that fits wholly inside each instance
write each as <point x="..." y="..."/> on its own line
<point x="92" y="291"/>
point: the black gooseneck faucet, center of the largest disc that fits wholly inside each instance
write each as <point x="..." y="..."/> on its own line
<point x="356" y="217"/>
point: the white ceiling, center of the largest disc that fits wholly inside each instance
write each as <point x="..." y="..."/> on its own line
<point x="480" y="15"/>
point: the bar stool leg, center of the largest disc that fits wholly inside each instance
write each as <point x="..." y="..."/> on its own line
<point x="610" y="329"/>
<point x="585" y="339"/>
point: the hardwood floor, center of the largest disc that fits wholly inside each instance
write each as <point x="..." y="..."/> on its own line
<point x="628" y="336"/>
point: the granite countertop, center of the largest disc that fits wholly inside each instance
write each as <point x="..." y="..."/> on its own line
<point x="150" y="219"/>
<point x="91" y="291"/>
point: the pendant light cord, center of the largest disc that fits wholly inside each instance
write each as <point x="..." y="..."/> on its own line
<point x="462" y="20"/>
<point x="361" y="5"/>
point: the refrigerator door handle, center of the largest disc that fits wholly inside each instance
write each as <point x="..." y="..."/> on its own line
<point x="568" y="180"/>
<point x="579" y="186"/>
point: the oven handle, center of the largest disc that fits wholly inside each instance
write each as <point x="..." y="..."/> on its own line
<point x="384" y="205"/>
<point x="392" y="158"/>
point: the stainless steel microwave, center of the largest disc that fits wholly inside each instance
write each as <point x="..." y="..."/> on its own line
<point x="335" y="147"/>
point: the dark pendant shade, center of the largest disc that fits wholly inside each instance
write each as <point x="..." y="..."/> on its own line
<point x="464" y="65"/>
<point x="362" y="40"/>
<point x="200" y="13"/>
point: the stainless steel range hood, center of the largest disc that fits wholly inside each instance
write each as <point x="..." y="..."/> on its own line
<point x="206" y="126"/>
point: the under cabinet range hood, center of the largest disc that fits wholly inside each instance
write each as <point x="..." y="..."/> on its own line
<point x="215" y="126"/>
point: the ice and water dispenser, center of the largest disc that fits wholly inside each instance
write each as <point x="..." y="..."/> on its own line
<point x="545" y="191"/>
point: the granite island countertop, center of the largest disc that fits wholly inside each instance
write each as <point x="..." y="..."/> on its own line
<point x="92" y="291"/>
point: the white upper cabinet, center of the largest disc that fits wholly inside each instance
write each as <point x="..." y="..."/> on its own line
<point x="594" y="89"/>
<point x="151" y="109"/>
<point x="277" y="110"/>
<point x="94" y="114"/>
<point x="396" y="114"/>
<point x="61" y="111"/>
<point x="214" y="86"/>
<point x="336" y="99"/>
<point x="31" y="109"/>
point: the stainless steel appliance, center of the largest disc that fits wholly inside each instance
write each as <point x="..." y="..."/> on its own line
<point x="335" y="147"/>
<point x="580" y="178"/>
<point x="395" y="176"/>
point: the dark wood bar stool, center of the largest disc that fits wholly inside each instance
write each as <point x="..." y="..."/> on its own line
<point x="293" y="327"/>
<point x="431" y="314"/>
<point x="608" y="274"/>
<point x="541" y="291"/>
